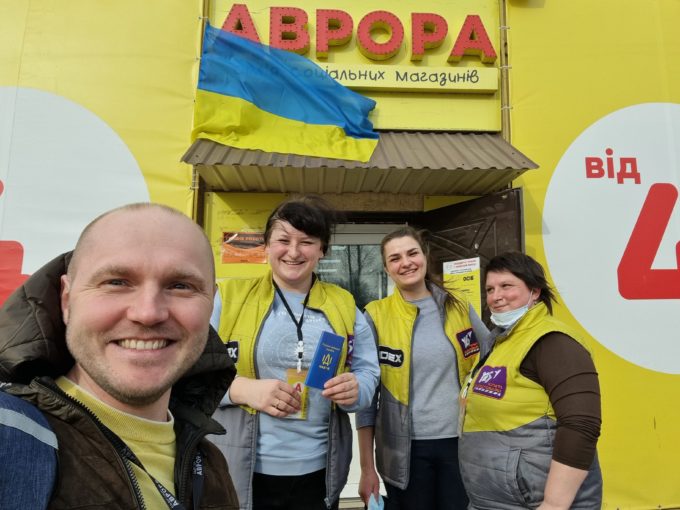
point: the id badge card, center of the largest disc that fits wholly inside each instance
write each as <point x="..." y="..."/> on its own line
<point x="297" y="381"/>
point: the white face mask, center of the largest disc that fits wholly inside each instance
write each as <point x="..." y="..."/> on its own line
<point x="507" y="319"/>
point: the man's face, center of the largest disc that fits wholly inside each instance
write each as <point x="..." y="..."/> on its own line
<point x="137" y="306"/>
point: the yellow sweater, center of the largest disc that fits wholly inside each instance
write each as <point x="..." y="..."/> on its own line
<point x="152" y="442"/>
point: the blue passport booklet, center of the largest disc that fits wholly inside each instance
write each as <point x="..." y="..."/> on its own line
<point x="325" y="360"/>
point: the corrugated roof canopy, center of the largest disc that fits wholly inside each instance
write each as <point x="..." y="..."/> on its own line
<point x="403" y="162"/>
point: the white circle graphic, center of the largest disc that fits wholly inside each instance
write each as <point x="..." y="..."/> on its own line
<point x="61" y="166"/>
<point x="588" y="223"/>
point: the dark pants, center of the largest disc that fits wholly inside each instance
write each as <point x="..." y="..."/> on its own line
<point x="301" y="492"/>
<point x="434" y="483"/>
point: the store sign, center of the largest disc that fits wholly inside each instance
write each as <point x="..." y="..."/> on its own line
<point x="429" y="65"/>
<point x="288" y="30"/>
<point x="380" y="36"/>
<point x="464" y="276"/>
<point x="430" y="79"/>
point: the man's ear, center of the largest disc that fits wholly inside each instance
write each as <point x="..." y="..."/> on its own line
<point x="65" y="291"/>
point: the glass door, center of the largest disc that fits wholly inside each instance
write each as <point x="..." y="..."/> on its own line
<point x="354" y="261"/>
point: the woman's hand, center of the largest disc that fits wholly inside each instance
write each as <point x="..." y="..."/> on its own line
<point x="342" y="389"/>
<point x="369" y="485"/>
<point x="271" y="396"/>
<point x="561" y="486"/>
<point x="548" y="506"/>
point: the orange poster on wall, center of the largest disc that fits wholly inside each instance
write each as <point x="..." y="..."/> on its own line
<point x="240" y="247"/>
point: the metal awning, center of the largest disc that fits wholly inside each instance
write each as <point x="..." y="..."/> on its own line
<point x="403" y="162"/>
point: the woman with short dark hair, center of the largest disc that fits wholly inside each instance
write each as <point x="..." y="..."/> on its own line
<point x="289" y="446"/>
<point x="532" y="406"/>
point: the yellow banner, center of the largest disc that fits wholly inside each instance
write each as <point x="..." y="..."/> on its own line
<point x="602" y="213"/>
<point x="408" y="79"/>
<point x="96" y="102"/>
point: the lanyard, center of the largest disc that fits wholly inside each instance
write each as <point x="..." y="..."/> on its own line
<point x="170" y="500"/>
<point x="474" y="371"/>
<point x="300" y="349"/>
<point x="128" y="456"/>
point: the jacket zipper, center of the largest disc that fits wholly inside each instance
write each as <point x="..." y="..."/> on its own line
<point x="410" y="394"/>
<point x="108" y="435"/>
<point x="187" y="465"/>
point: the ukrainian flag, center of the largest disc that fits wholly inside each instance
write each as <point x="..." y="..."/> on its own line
<point x="252" y="96"/>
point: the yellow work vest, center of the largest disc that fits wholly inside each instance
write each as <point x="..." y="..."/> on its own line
<point x="247" y="301"/>
<point x="394" y="319"/>
<point x="500" y="398"/>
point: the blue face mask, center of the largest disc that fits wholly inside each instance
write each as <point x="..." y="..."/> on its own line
<point x="375" y="504"/>
<point x="507" y="319"/>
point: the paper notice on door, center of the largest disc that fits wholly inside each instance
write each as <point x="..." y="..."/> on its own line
<point x="463" y="276"/>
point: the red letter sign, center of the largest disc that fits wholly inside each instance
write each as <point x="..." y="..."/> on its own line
<point x="473" y="40"/>
<point x="333" y="28"/>
<point x="288" y="29"/>
<point x="239" y="22"/>
<point x="428" y="31"/>
<point x="637" y="279"/>
<point x="382" y="20"/>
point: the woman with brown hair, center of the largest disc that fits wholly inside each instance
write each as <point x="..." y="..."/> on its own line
<point x="427" y="343"/>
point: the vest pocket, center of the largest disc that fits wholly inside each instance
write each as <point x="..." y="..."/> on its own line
<point x="492" y="476"/>
<point x="516" y="486"/>
<point x="531" y="475"/>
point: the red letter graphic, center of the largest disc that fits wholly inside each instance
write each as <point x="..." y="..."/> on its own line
<point x="637" y="279"/>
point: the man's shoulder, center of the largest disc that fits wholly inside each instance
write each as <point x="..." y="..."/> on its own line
<point x="24" y="419"/>
<point x="29" y="453"/>
<point x="13" y="402"/>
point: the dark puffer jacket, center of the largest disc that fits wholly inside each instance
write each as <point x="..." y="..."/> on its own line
<point x="92" y="474"/>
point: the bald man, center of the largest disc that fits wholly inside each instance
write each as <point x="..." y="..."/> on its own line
<point x="116" y="350"/>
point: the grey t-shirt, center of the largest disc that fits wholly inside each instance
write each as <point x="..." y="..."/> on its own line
<point x="434" y="376"/>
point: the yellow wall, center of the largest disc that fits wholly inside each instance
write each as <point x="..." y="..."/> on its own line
<point x="133" y="64"/>
<point x="574" y="63"/>
<point x="237" y="212"/>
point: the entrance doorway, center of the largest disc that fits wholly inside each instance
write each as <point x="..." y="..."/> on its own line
<point x="354" y="261"/>
<point x="480" y="227"/>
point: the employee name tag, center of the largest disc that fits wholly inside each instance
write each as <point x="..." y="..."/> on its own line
<point x="297" y="381"/>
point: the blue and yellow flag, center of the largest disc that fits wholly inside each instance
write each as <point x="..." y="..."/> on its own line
<point x="253" y="96"/>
